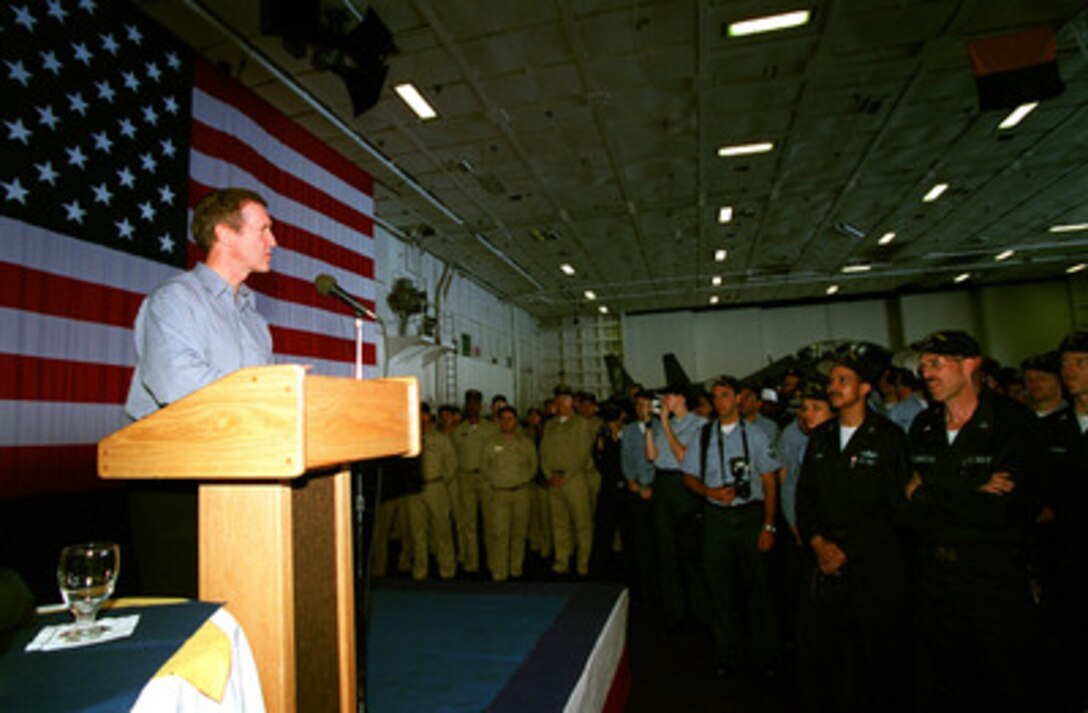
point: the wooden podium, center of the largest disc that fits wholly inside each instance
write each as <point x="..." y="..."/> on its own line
<point x="269" y="446"/>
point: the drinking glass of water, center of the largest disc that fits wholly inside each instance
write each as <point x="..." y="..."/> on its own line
<point x="86" y="575"/>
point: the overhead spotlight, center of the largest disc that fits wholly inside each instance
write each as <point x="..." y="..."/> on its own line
<point x="716" y="280"/>
<point x="366" y="48"/>
<point x="857" y="267"/>
<point x="962" y="277"/>
<point x="1004" y="255"/>
<point x="590" y="295"/>
<point x="886" y="238"/>
<point x="298" y="23"/>
<point x="567" y="268"/>
<point x="1074" y="269"/>
<point x="725" y="214"/>
<point x="714" y="299"/>
<point x="602" y="309"/>
<point x="720" y="255"/>
<point x="832" y="289"/>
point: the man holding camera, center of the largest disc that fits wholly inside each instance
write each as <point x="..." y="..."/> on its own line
<point x="732" y="465"/>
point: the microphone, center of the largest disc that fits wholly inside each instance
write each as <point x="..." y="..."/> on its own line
<point x="326" y="285"/>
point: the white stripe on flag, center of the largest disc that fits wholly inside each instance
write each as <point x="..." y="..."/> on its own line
<point x="44" y="250"/>
<point x="48" y="337"/>
<point x="44" y="423"/>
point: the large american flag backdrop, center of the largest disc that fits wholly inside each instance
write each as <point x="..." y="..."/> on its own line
<point x="110" y="132"/>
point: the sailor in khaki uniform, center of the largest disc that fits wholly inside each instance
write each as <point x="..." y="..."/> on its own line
<point x="566" y="453"/>
<point x="429" y="509"/>
<point x="509" y="465"/>
<point x="468" y="442"/>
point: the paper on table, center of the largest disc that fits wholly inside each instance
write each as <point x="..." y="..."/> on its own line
<point x="50" y="639"/>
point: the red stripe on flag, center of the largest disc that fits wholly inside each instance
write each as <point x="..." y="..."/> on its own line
<point x="222" y="87"/>
<point x="295" y="239"/>
<point x="225" y="147"/>
<point x="295" y="342"/>
<point x="46" y="293"/>
<point x="49" y="470"/>
<point x="40" y="379"/>
<point x="302" y="241"/>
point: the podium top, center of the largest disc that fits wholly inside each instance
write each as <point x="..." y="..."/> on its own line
<point x="267" y="422"/>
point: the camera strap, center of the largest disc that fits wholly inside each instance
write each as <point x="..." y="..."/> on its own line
<point x="721" y="450"/>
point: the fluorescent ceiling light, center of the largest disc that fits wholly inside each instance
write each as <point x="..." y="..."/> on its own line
<point x="567" y="268"/>
<point x="725" y="214"/>
<point x="769" y="23"/>
<point x="602" y="309"/>
<point x="886" y="238"/>
<point x="1004" y="255"/>
<point x="1017" y="115"/>
<point x="962" y="277"/>
<point x="590" y="295"/>
<point x="745" y="149"/>
<point x="832" y="289"/>
<point x="415" y="101"/>
<point x="935" y="192"/>
<point x="1068" y="227"/>
<point x="1072" y="269"/>
<point x="861" y="267"/>
<point x="716" y="280"/>
<point x="714" y="299"/>
<point x="720" y="255"/>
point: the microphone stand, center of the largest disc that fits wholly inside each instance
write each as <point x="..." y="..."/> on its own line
<point x="363" y="554"/>
<point x="358" y="347"/>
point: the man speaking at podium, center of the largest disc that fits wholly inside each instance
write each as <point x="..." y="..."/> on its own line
<point x="193" y="329"/>
<point x="203" y="324"/>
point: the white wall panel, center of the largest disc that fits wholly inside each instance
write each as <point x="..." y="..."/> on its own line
<point x="787" y="329"/>
<point x="1022" y="320"/>
<point x="923" y="314"/>
<point x="727" y="342"/>
<point x="646" y="338"/>
<point x="865" y="320"/>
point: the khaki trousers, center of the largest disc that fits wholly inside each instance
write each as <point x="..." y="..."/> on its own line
<point x="572" y="524"/>
<point x="509" y="527"/>
<point x="429" y="515"/>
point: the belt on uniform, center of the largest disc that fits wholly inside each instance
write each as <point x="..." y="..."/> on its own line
<point x="735" y="508"/>
<point x="668" y="471"/>
<point x="559" y="472"/>
<point x="511" y="487"/>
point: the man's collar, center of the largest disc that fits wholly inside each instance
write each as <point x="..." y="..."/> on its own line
<point x="214" y="283"/>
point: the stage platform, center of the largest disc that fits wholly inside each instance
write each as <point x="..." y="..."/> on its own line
<point x="506" y="648"/>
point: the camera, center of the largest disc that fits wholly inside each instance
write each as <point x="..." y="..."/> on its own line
<point x="742" y="483"/>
